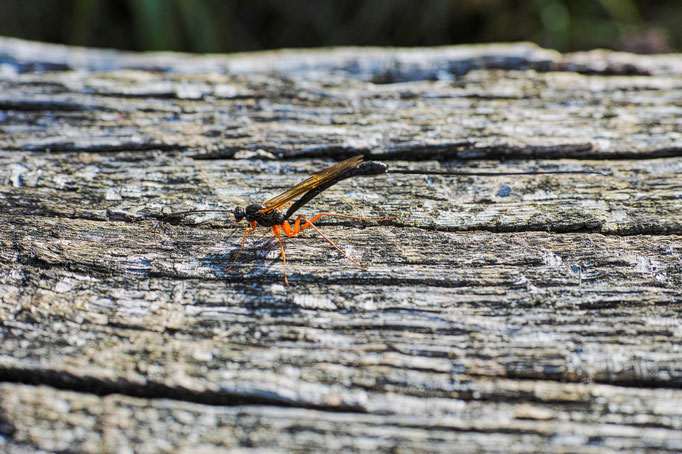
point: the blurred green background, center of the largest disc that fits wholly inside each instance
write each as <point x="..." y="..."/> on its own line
<point x="242" y="25"/>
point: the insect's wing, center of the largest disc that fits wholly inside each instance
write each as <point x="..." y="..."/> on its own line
<point x="314" y="181"/>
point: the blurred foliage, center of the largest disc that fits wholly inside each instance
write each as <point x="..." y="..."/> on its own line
<point x="239" y="25"/>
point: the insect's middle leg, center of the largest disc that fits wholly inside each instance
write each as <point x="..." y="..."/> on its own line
<point x="276" y="230"/>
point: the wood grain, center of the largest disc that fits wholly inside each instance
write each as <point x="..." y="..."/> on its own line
<point x="500" y="313"/>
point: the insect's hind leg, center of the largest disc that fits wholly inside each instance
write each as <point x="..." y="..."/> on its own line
<point x="308" y="223"/>
<point x="297" y="228"/>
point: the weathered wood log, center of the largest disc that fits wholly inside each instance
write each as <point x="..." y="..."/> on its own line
<point x="497" y="314"/>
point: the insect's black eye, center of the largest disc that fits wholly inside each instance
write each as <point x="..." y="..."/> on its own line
<point x="239" y="214"/>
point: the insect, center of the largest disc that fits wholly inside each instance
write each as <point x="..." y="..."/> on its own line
<point x="271" y="213"/>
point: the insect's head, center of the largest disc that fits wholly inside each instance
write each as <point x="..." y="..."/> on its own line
<point x="239" y="214"/>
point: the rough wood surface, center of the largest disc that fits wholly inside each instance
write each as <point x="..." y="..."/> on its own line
<point x="506" y="314"/>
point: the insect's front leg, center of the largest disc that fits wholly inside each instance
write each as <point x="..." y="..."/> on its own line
<point x="246" y="231"/>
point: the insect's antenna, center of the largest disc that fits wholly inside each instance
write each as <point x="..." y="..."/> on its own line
<point x="494" y="174"/>
<point x="182" y="214"/>
<point x="169" y="218"/>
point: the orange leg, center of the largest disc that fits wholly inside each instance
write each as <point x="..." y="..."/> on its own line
<point x="297" y="228"/>
<point x="308" y="223"/>
<point x="276" y="230"/>
<point x="247" y="230"/>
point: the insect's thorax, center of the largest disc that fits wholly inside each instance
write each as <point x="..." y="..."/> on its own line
<point x="255" y="213"/>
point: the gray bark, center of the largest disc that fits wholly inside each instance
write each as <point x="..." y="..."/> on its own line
<point x="514" y="314"/>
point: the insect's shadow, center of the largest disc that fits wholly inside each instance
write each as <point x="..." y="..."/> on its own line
<point x="257" y="247"/>
<point x="252" y="256"/>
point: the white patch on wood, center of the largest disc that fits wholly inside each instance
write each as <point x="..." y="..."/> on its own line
<point x="647" y="265"/>
<point x="552" y="259"/>
<point x="314" y="302"/>
<point x="15" y="172"/>
<point x="64" y="285"/>
<point x="112" y="194"/>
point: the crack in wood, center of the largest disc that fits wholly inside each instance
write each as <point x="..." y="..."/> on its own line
<point x="150" y="390"/>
